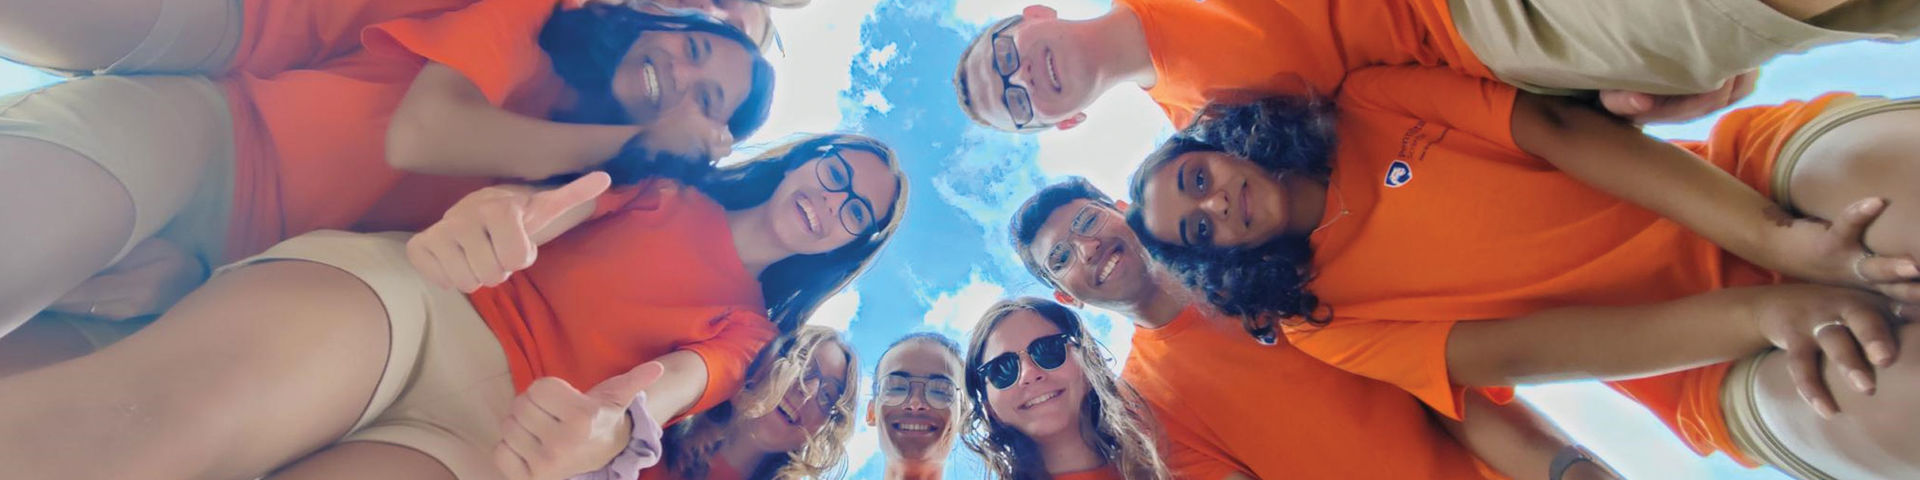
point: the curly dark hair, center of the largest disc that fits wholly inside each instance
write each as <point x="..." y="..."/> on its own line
<point x="1264" y="283"/>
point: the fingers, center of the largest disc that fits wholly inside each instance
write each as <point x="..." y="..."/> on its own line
<point x="1626" y="104"/>
<point x="547" y="206"/>
<point x="1843" y="352"/>
<point x="425" y="261"/>
<point x="511" y="248"/>
<point x="1803" y="366"/>
<point x="1874" y="332"/>
<point x="510" y="463"/>
<point x="621" y="389"/>
<point x="452" y="255"/>
<point x="520" y="446"/>
<point x="1851" y="227"/>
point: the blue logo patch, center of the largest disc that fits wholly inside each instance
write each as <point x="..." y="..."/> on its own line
<point x="1399" y="173"/>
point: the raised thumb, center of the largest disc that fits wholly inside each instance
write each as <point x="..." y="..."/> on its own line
<point x="621" y="389"/>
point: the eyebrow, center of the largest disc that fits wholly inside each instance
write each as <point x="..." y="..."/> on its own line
<point x="936" y="376"/>
<point x="1183" y="233"/>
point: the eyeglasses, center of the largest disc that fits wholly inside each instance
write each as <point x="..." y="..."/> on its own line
<point x="836" y="175"/>
<point x="1047" y="352"/>
<point x="1006" y="61"/>
<point x="1085" y="223"/>
<point x="825" y="392"/>
<point x="896" y="389"/>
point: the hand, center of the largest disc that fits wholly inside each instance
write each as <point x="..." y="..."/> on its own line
<point x="154" y="275"/>
<point x="1806" y="321"/>
<point x="1643" y="108"/>
<point x="554" y="431"/>
<point x="1836" y="253"/>
<point x="688" y="135"/>
<point x="489" y="234"/>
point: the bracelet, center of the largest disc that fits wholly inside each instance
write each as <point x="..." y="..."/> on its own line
<point x="1568" y="456"/>
<point x="643" y="446"/>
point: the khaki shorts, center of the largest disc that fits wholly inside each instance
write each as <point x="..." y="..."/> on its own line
<point x="162" y="52"/>
<point x="168" y="140"/>
<point x="1836" y="114"/>
<point x="446" y="386"/>
<point x="1740" y="402"/>
<point x="1656" y="46"/>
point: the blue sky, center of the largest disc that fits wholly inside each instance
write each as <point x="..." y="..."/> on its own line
<point x="883" y="68"/>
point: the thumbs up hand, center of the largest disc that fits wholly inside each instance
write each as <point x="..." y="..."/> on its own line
<point x="553" y="431"/>
<point x="489" y="234"/>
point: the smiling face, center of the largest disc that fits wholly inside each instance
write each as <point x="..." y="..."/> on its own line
<point x="827" y="202"/>
<point x="918" y="374"/>
<point x="1214" y="199"/>
<point x="684" y="76"/>
<point x="807" y="406"/>
<point x="1040" y="54"/>
<point x="1042" y="403"/>
<point x="1087" y="250"/>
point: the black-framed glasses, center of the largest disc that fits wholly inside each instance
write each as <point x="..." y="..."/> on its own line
<point x="896" y="389"/>
<point x="836" y="175"/>
<point x="1006" y="61"/>
<point x="1085" y="223"/>
<point x="1048" y="352"/>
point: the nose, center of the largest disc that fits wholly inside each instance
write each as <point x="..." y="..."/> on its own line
<point x="917" y="400"/>
<point x="1216" y="203"/>
<point x="1085" y="247"/>
<point x="1037" y="372"/>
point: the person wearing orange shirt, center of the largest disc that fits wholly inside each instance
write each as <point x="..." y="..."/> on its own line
<point x="380" y="139"/>
<point x="1035" y="71"/>
<point x="1072" y="237"/>
<point x="371" y="364"/>
<point x="915" y="407"/>
<point x="1043" y="403"/>
<point x="1564" y="245"/>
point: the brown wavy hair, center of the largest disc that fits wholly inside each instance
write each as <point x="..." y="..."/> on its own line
<point x="1114" y="419"/>
<point x="779" y="367"/>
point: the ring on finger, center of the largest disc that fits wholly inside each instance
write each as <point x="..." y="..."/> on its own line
<point x="1857" y="271"/>
<point x="1824" y="326"/>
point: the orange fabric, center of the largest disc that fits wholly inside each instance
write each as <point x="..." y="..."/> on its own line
<point x="279" y="35"/>
<point x="1103" y="473"/>
<point x="1412" y="256"/>
<point x="659" y="275"/>
<point x="1212" y="49"/>
<point x="310" y="143"/>
<point x="1228" y="404"/>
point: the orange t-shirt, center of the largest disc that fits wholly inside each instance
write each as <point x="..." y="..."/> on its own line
<point x="1204" y="50"/>
<point x="1229" y="404"/>
<point x="310" y="144"/>
<point x="1450" y="221"/>
<point x="655" y="275"/>
<point x="1108" y="472"/>
<point x="278" y="35"/>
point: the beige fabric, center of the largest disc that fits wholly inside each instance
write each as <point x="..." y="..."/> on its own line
<point x="167" y="139"/>
<point x="1836" y="114"/>
<point x="161" y="51"/>
<point x="446" y="385"/>
<point x="1655" y="46"/>
<point x="1739" y="402"/>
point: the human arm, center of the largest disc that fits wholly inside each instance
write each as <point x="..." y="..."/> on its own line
<point x="445" y="125"/>
<point x="1646" y="108"/>
<point x="1517" y="441"/>
<point x="495" y="231"/>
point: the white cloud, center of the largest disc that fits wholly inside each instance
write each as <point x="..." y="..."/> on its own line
<point x="1121" y="128"/>
<point x="959" y="310"/>
<point x="816" y="66"/>
<point x="879" y="58"/>
<point x="1618" y="430"/>
<point x="865" y="442"/>
<point x="877" y="101"/>
<point x="838" y="311"/>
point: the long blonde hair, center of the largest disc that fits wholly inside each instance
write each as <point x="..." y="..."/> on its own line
<point x="1114" y="420"/>
<point x="778" y="368"/>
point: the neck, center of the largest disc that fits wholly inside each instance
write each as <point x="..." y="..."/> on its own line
<point x="899" y="470"/>
<point x="1122" y="53"/>
<point x="1306" y="203"/>
<point x="739" y="454"/>
<point x="1160" y="306"/>
<point x="753" y="239"/>
<point x="1068" y="452"/>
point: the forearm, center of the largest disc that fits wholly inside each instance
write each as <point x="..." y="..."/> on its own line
<point x="1589" y="342"/>
<point x="445" y="126"/>
<point x="1613" y="156"/>
<point x="1513" y="439"/>
<point x="680" y="388"/>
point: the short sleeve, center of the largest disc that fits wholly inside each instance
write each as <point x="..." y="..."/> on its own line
<point x="1477" y="106"/>
<point x="727" y="355"/>
<point x="1191" y="463"/>
<point x="1409" y="355"/>
<point x="494" y="43"/>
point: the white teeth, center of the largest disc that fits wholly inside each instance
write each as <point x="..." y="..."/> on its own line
<point x="1042" y="399"/>
<point x="653" y="81"/>
<point x="806" y="211"/>
<point x="1106" y="270"/>
<point x="914" y="427"/>
<point x="1053" y="72"/>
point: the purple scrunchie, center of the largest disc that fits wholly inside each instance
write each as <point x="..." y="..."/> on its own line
<point x="643" y="448"/>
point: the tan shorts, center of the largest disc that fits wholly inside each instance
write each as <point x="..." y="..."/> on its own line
<point x="1656" y="46"/>
<point x="1739" y="401"/>
<point x="162" y="50"/>
<point x="167" y="139"/>
<point x="1836" y="114"/>
<point x="446" y="386"/>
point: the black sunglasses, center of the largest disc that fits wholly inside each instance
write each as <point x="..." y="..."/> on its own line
<point x="1048" y="352"/>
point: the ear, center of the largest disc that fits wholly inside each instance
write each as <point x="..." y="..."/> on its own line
<point x="872" y="406"/>
<point x="1073" y="121"/>
<point x="1038" y="12"/>
<point x="1066" y="299"/>
<point x="1121" y="205"/>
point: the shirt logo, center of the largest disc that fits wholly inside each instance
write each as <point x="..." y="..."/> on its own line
<point x="1399" y="173"/>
